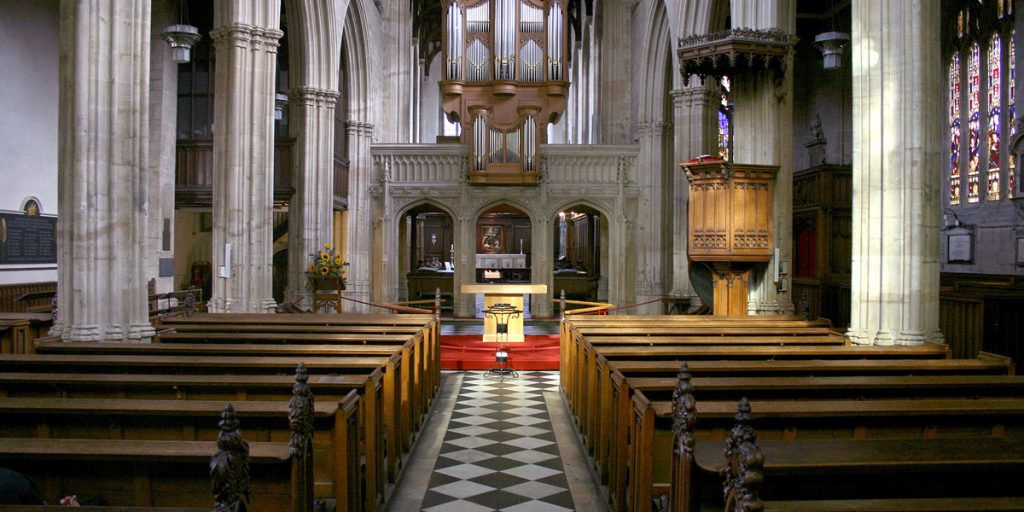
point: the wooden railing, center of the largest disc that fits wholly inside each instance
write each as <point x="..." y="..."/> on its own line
<point x="595" y="308"/>
<point x="193" y="172"/>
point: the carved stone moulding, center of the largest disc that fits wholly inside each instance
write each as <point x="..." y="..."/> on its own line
<point x="732" y="52"/>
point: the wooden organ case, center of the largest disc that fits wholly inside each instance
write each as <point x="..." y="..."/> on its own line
<point x="505" y="68"/>
<point x="730" y="225"/>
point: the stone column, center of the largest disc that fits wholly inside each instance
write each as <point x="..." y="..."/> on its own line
<point x="361" y="215"/>
<point x="897" y="161"/>
<point x="653" y="235"/>
<point x="464" y="305"/>
<point x="162" y="153"/>
<point x="396" y="89"/>
<point x="246" y="42"/>
<point x="696" y="119"/>
<point x="103" y="171"/>
<point x="763" y="131"/>
<point x="614" y="118"/>
<point x="311" y="212"/>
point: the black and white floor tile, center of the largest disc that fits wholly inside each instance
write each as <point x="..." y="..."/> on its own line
<point x="499" y="452"/>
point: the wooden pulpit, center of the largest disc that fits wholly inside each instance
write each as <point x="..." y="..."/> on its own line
<point x="730" y="225"/>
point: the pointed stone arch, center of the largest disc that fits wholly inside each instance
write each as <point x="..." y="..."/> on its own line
<point x="367" y="273"/>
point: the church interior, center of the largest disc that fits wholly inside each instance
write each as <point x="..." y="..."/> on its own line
<point x="712" y="254"/>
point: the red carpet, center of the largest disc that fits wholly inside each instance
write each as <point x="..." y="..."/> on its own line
<point x="468" y="352"/>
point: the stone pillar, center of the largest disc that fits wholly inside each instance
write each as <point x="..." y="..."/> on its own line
<point x="103" y="171"/>
<point x="614" y="117"/>
<point x="311" y="212"/>
<point x="162" y="152"/>
<point x="246" y="39"/>
<point x="897" y="160"/>
<point x="654" y="236"/>
<point x="396" y="89"/>
<point x="763" y="131"/>
<point x="696" y="119"/>
<point x="465" y="265"/>
<point x="361" y="215"/>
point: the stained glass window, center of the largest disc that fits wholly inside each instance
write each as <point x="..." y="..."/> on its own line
<point x="994" y="127"/>
<point x="1011" y="111"/>
<point x="974" y="124"/>
<point x="954" y="130"/>
<point x="723" y="120"/>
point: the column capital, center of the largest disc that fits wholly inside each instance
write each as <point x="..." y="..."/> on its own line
<point x="359" y="128"/>
<point x="702" y="95"/>
<point x="315" y="96"/>
<point x="244" y="36"/>
<point x="653" y="129"/>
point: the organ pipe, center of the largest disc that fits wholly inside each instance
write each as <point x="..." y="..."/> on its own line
<point x="524" y="41"/>
<point x="555" y="43"/>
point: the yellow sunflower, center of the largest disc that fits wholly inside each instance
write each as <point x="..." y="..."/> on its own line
<point x="325" y="257"/>
<point x="324" y="271"/>
<point x="337" y="259"/>
<point x="327" y="246"/>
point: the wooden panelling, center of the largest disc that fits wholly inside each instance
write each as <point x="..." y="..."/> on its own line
<point x="9" y="294"/>
<point x="193" y="179"/>
<point x="962" y="321"/>
<point x="822" y="231"/>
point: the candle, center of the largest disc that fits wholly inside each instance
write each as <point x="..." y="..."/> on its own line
<point x="520" y="246"/>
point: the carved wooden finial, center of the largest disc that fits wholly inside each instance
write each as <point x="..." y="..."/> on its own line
<point x="437" y="303"/>
<point x="300" y="413"/>
<point x="684" y="413"/>
<point x="561" y="304"/>
<point x="229" y="467"/>
<point x="744" y="468"/>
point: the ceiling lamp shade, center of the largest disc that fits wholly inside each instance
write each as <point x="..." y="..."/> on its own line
<point x="181" y="38"/>
<point x="831" y="45"/>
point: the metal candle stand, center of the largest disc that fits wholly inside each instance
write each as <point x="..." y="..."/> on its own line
<point x="502" y="313"/>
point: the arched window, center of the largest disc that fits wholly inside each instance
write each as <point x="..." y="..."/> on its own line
<point x="725" y="119"/>
<point x="980" y="68"/>
<point x="954" y="131"/>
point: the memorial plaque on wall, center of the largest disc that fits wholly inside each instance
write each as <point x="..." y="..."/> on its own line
<point x="27" y="239"/>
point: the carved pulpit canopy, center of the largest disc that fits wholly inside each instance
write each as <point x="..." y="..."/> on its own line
<point x="733" y="52"/>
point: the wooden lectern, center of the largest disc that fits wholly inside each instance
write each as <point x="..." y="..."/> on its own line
<point x="511" y="294"/>
<point x="730" y="223"/>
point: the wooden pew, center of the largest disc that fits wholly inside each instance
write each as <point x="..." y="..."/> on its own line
<point x="329" y="389"/>
<point x="336" y="442"/>
<point x="585" y="405"/>
<point x="18" y="330"/>
<point x="165" y="473"/>
<point x="798" y="417"/>
<point x="695" y="327"/>
<point x="884" y="474"/>
<point x="424" y="329"/>
<point x="415" y="352"/>
<point x="614" y="392"/>
<point x="687" y="436"/>
<point x="397" y="412"/>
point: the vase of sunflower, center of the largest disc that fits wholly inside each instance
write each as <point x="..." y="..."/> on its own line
<point x="327" y="270"/>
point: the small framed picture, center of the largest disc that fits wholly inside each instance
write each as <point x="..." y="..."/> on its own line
<point x="960" y="248"/>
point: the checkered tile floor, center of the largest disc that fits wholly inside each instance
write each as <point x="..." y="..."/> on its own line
<point x="499" y="452"/>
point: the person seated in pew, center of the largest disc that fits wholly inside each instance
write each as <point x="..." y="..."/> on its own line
<point x="17" y="489"/>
